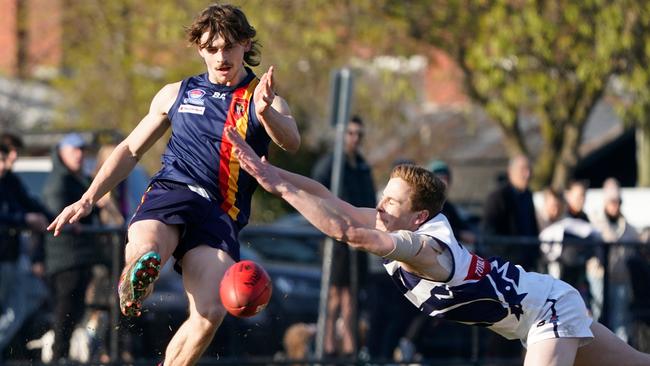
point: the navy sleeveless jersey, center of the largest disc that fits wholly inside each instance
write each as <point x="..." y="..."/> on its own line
<point x="198" y="152"/>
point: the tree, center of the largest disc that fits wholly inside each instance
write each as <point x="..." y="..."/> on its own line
<point x="634" y="92"/>
<point x="545" y="61"/>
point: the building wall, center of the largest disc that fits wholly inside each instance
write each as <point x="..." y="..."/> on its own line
<point x="8" y="37"/>
<point x="43" y="36"/>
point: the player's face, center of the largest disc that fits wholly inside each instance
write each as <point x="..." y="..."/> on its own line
<point x="225" y="61"/>
<point x="394" y="211"/>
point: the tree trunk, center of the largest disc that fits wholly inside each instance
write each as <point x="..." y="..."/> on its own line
<point x="22" y="62"/>
<point x="514" y="142"/>
<point x="568" y="157"/>
<point x="643" y="154"/>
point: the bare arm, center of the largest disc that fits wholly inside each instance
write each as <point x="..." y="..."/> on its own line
<point x="275" y="115"/>
<point x="123" y="158"/>
<point x="338" y="219"/>
<point x="248" y="159"/>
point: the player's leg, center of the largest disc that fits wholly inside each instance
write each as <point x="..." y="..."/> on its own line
<point x="151" y="244"/>
<point x="348" y="322"/>
<point x="333" y="307"/>
<point x="608" y="349"/>
<point x="552" y="352"/>
<point x="203" y="269"/>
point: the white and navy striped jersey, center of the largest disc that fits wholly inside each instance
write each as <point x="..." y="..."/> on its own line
<point x="493" y="293"/>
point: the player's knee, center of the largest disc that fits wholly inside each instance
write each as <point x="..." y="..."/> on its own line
<point x="210" y="316"/>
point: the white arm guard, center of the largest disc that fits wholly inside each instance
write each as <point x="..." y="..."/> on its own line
<point x="409" y="244"/>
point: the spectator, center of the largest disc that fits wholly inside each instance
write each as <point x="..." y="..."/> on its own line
<point x="567" y="261"/>
<point x="20" y="292"/>
<point x="575" y="199"/>
<point x="18" y="190"/>
<point x="357" y="187"/>
<point x="552" y="208"/>
<point x="509" y="211"/>
<point x="70" y="256"/>
<point x="462" y="232"/>
<point x="615" y="229"/>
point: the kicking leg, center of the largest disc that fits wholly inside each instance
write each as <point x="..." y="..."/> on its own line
<point x="203" y="268"/>
<point x="151" y="244"/>
<point x="608" y="349"/>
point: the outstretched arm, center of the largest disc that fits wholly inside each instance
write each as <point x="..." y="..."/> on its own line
<point x="123" y="158"/>
<point x="419" y="253"/>
<point x="331" y="215"/>
<point x="275" y="115"/>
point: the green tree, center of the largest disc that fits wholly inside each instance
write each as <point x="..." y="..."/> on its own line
<point x="548" y="62"/>
<point x="634" y="91"/>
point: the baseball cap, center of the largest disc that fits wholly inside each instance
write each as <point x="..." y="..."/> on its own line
<point x="72" y="139"/>
<point x="439" y="167"/>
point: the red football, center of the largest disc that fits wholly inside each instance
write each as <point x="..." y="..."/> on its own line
<point x="245" y="289"/>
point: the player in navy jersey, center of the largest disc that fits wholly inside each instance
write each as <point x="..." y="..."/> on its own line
<point x="200" y="199"/>
<point x="440" y="276"/>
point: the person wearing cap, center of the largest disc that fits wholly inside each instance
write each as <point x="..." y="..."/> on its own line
<point x="461" y="230"/>
<point x="68" y="257"/>
<point x="615" y="229"/>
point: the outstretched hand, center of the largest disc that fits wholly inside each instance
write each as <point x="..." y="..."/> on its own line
<point x="70" y="215"/>
<point x="266" y="174"/>
<point x="264" y="95"/>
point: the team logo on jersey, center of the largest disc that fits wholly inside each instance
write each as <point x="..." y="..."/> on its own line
<point x="195" y="96"/>
<point x="240" y="107"/>
<point x="220" y="96"/>
<point x="478" y="268"/>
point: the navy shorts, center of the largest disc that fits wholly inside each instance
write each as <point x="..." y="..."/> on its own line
<point x="201" y="220"/>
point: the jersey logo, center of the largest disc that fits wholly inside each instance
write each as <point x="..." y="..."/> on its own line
<point x="195" y="96"/>
<point x="478" y="268"/>
<point x="193" y="109"/>
<point x="240" y="107"/>
<point x="220" y="96"/>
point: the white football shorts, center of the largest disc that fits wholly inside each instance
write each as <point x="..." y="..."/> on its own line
<point x="564" y="315"/>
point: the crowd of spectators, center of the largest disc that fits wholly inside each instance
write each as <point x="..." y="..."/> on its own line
<point x="67" y="276"/>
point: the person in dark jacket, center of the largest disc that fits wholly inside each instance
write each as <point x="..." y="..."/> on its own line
<point x="70" y="256"/>
<point x="509" y="211"/>
<point x="20" y="295"/>
<point x="357" y="187"/>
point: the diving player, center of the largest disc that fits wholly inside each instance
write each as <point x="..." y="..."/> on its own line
<point x="440" y="276"/>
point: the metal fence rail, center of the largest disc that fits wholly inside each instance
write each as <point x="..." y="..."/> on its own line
<point x="472" y="344"/>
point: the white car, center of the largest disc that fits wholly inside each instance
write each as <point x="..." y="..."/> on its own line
<point x="33" y="171"/>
